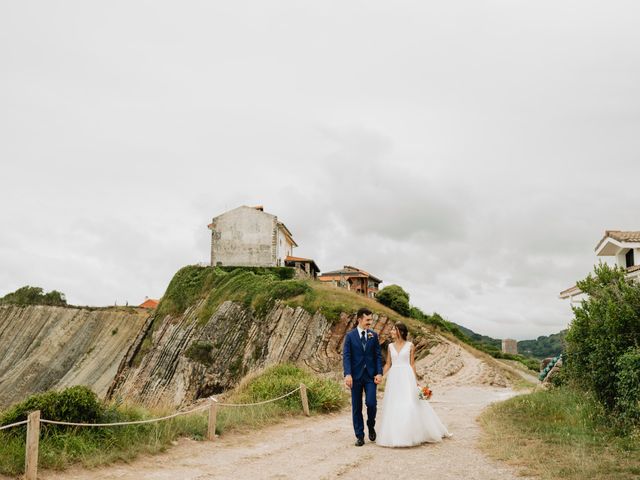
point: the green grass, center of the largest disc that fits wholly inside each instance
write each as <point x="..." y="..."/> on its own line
<point x="61" y="447"/>
<point x="324" y="396"/>
<point x="259" y="288"/>
<point x="560" y="433"/>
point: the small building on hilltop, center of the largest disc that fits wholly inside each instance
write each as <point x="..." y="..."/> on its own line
<point x="621" y="246"/>
<point x="354" y="279"/>
<point x="149" y="303"/>
<point x="251" y="237"/>
<point x="305" y="267"/>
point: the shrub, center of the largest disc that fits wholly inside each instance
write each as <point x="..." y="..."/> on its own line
<point x="628" y="386"/>
<point x="34" y="296"/>
<point x="74" y="404"/>
<point x="324" y="395"/>
<point x="200" y="352"/>
<point x="605" y="327"/>
<point x="396" y="298"/>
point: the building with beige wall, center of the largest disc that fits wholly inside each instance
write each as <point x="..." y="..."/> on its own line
<point x="249" y="237"/>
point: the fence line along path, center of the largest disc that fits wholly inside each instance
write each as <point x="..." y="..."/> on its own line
<point x="34" y="421"/>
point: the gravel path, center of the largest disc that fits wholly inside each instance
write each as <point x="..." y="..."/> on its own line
<point x="322" y="447"/>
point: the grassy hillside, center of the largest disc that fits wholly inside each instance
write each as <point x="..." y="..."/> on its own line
<point x="261" y="288"/>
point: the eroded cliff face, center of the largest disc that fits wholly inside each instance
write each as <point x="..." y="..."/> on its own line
<point x="234" y="342"/>
<point x="44" y="347"/>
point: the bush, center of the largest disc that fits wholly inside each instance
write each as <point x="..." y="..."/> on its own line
<point x="628" y="386"/>
<point x="395" y="297"/>
<point x="200" y="352"/>
<point x="605" y="327"/>
<point x="74" y="404"/>
<point x="324" y="395"/>
<point x="282" y="273"/>
<point x="34" y="296"/>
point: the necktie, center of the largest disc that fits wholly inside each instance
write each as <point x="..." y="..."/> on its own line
<point x="363" y="340"/>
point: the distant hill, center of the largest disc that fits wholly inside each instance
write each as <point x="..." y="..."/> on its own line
<point x="540" y="348"/>
<point x="543" y="346"/>
<point x="476" y="337"/>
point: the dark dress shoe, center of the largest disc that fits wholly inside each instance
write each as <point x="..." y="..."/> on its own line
<point x="359" y="442"/>
<point x="372" y="434"/>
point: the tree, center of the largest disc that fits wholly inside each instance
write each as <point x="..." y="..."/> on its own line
<point x="28" y="295"/>
<point x="394" y="297"/>
<point x="604" y="334"/>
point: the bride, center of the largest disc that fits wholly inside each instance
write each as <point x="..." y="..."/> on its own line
<point x="406" y="420"/>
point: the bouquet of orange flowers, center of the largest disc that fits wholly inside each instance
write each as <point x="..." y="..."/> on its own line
<point x="424" y="393"/>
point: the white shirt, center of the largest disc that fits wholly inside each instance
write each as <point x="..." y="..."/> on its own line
<point x="360" y="330"/>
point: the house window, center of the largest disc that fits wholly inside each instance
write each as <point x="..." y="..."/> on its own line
<point x="629" y="258"/>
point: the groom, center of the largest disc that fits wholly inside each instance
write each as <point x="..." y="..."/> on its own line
<point x="362" y="362"/>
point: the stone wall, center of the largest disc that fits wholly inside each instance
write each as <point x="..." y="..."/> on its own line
<point x="243" y="237"/>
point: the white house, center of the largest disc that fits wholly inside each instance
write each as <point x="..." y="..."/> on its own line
<point x="249" y="237"/>
<point x="621" y="247"/>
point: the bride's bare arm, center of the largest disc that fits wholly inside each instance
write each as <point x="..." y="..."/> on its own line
<point x="387" y="365"/>
<point x="413" y="361"/>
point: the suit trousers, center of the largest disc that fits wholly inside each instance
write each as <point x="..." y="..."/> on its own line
<point x="366" y="385"/>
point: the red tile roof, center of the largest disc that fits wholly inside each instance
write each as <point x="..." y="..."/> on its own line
<point x="149" y="303"/>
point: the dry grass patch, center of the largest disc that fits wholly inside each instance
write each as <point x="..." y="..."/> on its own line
<point x="559" y="434"/>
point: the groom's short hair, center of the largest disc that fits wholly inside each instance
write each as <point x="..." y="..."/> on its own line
<point x="362" y="312"/>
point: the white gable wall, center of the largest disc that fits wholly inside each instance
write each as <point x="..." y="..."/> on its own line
<point x="284" y="247"/>
<point x="243" y="237"/>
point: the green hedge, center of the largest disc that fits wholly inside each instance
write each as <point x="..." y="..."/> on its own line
<point x="603" y="340"/>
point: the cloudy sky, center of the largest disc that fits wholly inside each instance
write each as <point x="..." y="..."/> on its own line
<point x="471" y="151"/>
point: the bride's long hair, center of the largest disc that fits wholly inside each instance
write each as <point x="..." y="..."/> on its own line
<point x="402" y="330"/>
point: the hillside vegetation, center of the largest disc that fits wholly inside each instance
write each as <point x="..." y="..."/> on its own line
<point x="28" y="295"/>
<point x="396" y="298"/>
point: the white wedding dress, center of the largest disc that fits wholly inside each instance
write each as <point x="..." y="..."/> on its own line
<point x="406" y="420"/>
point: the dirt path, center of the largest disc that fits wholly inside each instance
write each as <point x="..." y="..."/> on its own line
<point x="322" y="447"/>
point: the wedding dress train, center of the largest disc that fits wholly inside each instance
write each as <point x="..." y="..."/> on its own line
<point x="406" y="420"/>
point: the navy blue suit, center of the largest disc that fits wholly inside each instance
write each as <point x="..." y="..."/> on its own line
<point x="363" y="364"/>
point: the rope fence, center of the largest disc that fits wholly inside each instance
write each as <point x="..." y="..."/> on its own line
<point x="34" y="421"/>
<point x="256" y="403"/>
<point x="14" y="425"/>
<point x="117" y="424"/>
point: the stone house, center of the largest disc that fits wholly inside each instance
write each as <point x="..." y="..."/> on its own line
<point x="251" y="237"/>
<point x="305" y="267"/>
<point x="622" y="248"/>
<point x="354" y="279"/>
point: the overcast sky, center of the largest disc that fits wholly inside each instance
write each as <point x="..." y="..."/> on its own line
<point x="471" y="151"/>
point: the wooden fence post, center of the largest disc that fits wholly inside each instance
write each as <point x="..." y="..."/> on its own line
<point x="305" y="400"/>
<point x="211" y="427"/>
<point x="31" y="448"/>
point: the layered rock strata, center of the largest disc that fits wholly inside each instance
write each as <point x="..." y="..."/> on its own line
<point x="43" y="347"/>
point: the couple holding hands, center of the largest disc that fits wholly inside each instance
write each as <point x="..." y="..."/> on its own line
<point x="407" y="420"/>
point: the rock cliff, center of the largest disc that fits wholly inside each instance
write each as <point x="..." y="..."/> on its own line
<point x="43" y="347"/>
<point x="185" y="359"/>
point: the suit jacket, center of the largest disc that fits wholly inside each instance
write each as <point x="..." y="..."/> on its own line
<point x="355" y="360"/>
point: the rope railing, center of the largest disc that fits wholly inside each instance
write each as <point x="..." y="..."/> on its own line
<point x="34" y="421"/>
<point x="256" y="403"/>
<point x="4" y="427"/>
<point x="117" y="424"/>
